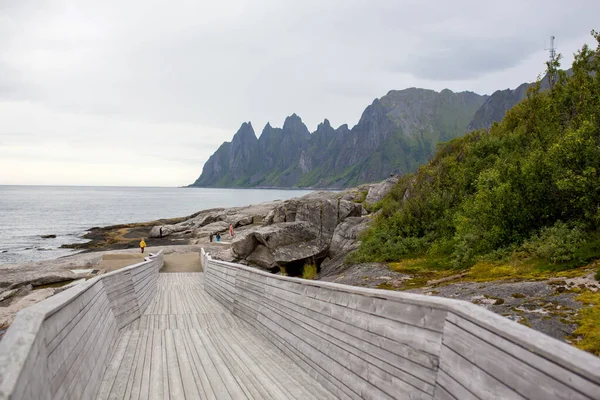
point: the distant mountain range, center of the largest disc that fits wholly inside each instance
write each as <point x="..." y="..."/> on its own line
<point x="395" y="135"/>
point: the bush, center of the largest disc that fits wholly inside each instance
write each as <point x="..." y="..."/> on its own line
<point x="597" y="276"/>
<point x="558" y="243"/>
<point x="530" y="182"/>
<point x="309" y="271"/>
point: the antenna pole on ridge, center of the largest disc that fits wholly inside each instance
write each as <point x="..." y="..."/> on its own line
<point x="551" y="66"/>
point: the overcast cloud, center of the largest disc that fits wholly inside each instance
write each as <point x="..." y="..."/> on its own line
<point x="142" y="92"/>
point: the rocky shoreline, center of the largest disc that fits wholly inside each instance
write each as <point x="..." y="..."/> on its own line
<point x="308" y="236"/>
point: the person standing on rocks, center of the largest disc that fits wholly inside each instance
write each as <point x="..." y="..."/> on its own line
<point x="231" y="230"/>
<point x="142" y="245"/>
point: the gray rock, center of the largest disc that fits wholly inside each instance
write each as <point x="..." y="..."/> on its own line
<point x="315" y="250"/>
<point x="379" y="190"/>
<point x="346" y="234"/>
<point x="261" y="257"/>
<point x="284" y="233"/>
<point x="291" y="208"/>
<point x="244" y="220"/>
<point x="213" y="228"/>
<point x="325" y="214"/>
<point x="244" y="244"/>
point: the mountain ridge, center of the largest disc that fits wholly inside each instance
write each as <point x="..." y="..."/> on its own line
<point x="395" y="134"/>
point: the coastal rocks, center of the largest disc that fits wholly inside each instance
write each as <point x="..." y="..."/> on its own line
<point x="313" y="251"/>
<point x="211" y="229"/>
<point x="325" y="215"/>
<point x="346" y="234"/>
<point x="161" y="231"/>
<point x="7" y="314"/>
<point x="283" y="234"/>
<point x="262" y="257"/>
<point x="48" y="236"/>
<point x="244" y="244"/>
<point x="379" y="190"/>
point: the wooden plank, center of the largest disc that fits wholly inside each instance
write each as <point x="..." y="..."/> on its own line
<point x="217" y="384"/>
<point x="473" y="378"/>
<point x="145" y="385"/>
<point x="447" y="386"/>
<point x="189" y="382"/>
<point x="137" y="375"/>
<point x="156" y="372"/>
<point x="113" y="368"/>
<point x="120" y="383"/>
<point x="511" y="371"/>
<point x="197" y="368"/>
<point x="557" y="373"/>
<point x="175" y="382"/>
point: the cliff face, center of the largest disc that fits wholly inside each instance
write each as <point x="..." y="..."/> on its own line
<point x="496" y="105"/>
<point x="395" y="134"/>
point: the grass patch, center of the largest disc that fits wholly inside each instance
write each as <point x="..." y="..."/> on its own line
<point x="589" y="323"/>
<point x="309" y="271"/>
<point x="422" y="270"/>
<point x="435" y="271"/>
<point x="521" y="270"/>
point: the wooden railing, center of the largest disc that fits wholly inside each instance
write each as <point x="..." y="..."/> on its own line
<point x="378" y="344"/>
<point x="60" y="347"/>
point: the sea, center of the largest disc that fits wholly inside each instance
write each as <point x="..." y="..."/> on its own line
<point x="27" y="213"/>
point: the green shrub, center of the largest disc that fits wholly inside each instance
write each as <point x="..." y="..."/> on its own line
<point x="558" y="243"/>
<point x="530" y="182"/>
<point x="597" y="276"/>
<point x="309" y="271"/>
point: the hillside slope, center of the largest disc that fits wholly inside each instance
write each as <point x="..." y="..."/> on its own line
<point x="518" y="201"/>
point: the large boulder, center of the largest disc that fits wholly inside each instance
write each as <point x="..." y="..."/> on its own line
<point x="314" y="250"/>
<point x="346" y="234"/>
<point x="211" y="229"/>
<point x="379" y="190"/>
<point x="262" y="257"/>
<point x="162" y="231"/>
<point x="348" y="209"/>
<point x="325" y="214"/>
<point x="243" y="244"/>
<point x="210" y="217"/>
<point x="244" y="220"/>
<point x="284" y="233"/>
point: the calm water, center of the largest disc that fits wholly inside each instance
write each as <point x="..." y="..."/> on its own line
<point x="28" y="212"/>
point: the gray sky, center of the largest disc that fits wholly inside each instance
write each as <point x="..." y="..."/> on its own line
<point x="142" y="92"/>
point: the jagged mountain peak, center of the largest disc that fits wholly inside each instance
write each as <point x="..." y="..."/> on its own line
<point x="245" y="130"/>
<point x="396" y="133"/>
<point x="324" y="125"/>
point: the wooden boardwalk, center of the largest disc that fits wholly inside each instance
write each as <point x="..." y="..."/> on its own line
<point x="188" y="346"/>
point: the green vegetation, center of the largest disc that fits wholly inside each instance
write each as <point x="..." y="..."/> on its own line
<point x="589" y="328"/>
<point x="309" y="271"/>
<point x="519" y="200"/>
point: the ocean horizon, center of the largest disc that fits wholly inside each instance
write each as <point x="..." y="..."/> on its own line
<point x="29" y="212"/>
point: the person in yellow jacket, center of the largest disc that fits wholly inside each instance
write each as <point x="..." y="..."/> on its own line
<point x="142" y="245"/>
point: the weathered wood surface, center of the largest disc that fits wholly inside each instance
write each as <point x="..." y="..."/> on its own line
<point x="373" y="344"/>
<point x="234" y="332"/>
<point x="188" y="345"/>
<point x="60" y="347"/>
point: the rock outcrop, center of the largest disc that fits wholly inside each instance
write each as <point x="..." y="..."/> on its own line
<point x="378" y="190"/>
<point x="281" y="235"/>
